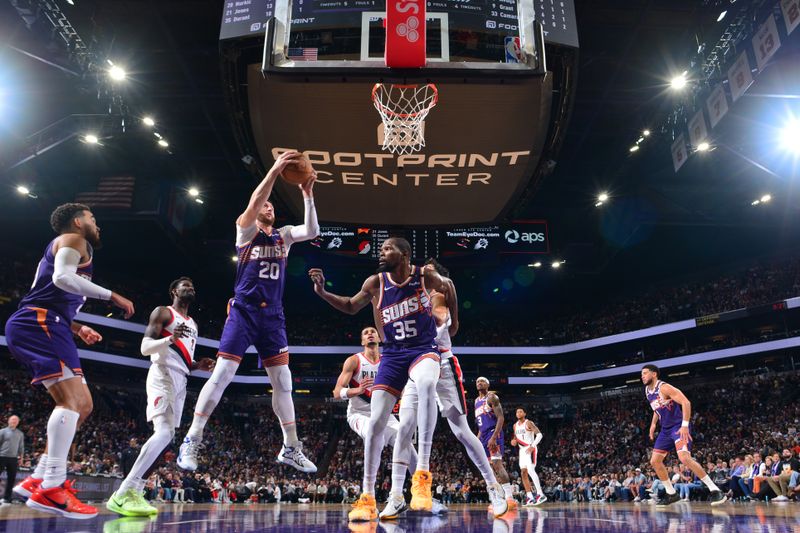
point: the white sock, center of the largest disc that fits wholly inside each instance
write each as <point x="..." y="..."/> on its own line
<point x="668" y="487"/>
<point x="507" y="490"/>
<point x="708" y="483"/>
<point x="402" y="451"/>
<point x="529" y="495"/>
<point x="425" y="374"/>
<point x="380" y="406"/>
<point x="41" y="466"/>
<point x="60" y="432"/>
<point x="151" y="450"/>
<point x="211" y="393"/>
<point x="462" y="432"/>
<point x="535" y="478"/>
<point x="281" y="379"/>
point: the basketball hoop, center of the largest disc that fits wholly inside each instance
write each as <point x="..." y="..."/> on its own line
<point x="403" y="109"/>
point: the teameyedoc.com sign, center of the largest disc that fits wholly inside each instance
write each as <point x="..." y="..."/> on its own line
<point x="528" y="237"/>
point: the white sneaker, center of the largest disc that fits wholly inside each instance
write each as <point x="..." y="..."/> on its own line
<point x="438" y="507"/>
<point x="293" y="456"/>
<point x="497" y="497"/>
<point x="395" y="506"/>
<point x="540" y="499"/>
<point x="780" y="499"/>
<point x="187" y="456"/>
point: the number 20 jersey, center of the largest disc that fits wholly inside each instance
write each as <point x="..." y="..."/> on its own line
<point x="405" y="311"/>
<point x="261" y="269"/>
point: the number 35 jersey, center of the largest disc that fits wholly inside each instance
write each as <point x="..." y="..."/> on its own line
<point x="405" y="311"/>
<point x="261" y="266"/>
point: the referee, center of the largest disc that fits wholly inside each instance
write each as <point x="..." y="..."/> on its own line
<point x="12" y="448"/>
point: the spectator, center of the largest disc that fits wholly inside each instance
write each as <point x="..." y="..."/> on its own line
<point x="782" y="475"/>
<point x="12" y="451"/>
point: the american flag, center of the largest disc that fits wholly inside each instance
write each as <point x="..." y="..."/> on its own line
<point x="112" y="192"/>
<point x="303" y="54"/>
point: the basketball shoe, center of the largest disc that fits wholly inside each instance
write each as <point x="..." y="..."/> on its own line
<point x="27" y="486"/>
<point x="395" y="506"/>
<point x="130" y="503"/>
<point x="294" y="457"/>
<point x="364" y="510"/>
<point x="497" y="497"/>
<point x="61" y="500"/>
<point x="421" y="498"/>
<point x="187" y="455"/>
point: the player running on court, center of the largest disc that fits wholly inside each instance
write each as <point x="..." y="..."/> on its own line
<point x="169" y="340"/>
<point x="40" y="336"/>
<point x="399" y="293"/>
<point x="490" y="421"/>
<point x="674" y="410"/>
<point x="527" y="436"/>
<point x="452" y="405"/>
<point x="255" y="315"/>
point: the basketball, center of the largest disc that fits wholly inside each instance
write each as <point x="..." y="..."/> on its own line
<point x="298" y="172"/>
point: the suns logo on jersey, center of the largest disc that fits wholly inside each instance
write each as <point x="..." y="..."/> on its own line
<point x="417" y="303"/>
<point x="661" y="403"/>
<point x="266" y="251"/>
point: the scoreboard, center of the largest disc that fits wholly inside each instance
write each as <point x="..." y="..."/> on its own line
<point x="242" y="18"/>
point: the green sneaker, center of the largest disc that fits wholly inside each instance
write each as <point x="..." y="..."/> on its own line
<point x="130" y="503"/>
<point x="128" y="524"/>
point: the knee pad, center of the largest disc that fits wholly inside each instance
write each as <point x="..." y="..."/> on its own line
<point x="280" y="377"/>
<point x="223" y="372"/>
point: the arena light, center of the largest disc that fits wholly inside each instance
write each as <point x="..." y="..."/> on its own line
<point x="193" y="191"/>
<point x="534" y="366"/>
<point x="537" y="264"/>
<point x="589" y="387"/>
<point x="676" y="374"/>
<point x="602" y="197"/>
<point x="633" y="381"/>
<point x="556" y="265"/>
<point x="703" y="147"/>
<point x="149" y="122"/>
<point x="163" y="143"/>
<point x="790" y="137"/>
<point x="679" y="83"/>
<point x="235" y="258"/>
<point x="199" y="200"/>
<point x="724" y="367"/>
<point x="23" y="190"/>
<point x="90" y="138"/>
<point x="496" y="290"/>
<point x="766" y="198"/>
<point x="117" y="73"/>
<point x="721" y="16"/>
<point x="755" y="202"/>
<point x="646" y="133"/>
<point x="634" y="148"/>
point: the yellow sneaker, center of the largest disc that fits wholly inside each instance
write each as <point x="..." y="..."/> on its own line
<point x="421" y="499"/>
<point x="364" y="510"/>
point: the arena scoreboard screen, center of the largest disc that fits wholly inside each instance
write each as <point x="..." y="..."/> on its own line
<point x="242" y="18"/>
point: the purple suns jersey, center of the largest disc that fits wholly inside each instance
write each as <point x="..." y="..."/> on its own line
<point x="405" y="311"/>
<point x="261" y="269"/>
<point x="485" y="418"/>
<point x="46" y="295"/>
<point x="669" y="412"/>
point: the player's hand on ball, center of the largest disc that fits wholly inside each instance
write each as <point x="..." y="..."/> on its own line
<point x="206" y="364"/>
<point x="284" y="159"/>
<point x="182" y="330"/>
<point x="308" y="186"/>
<point x="88" y="335"/>
<point x="123" y="303"/>
<point x="318" y="278"/>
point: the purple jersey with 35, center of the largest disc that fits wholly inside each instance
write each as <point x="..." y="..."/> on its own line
<point x="405" y="311"/>
<point x="46" y="295"/>
<point x="669" y="412"/>
<point x="261" y="269"/>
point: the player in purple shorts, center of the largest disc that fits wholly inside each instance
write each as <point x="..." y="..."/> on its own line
<point x="40" y="336"/>
<point x="674" y="411"/>
<point x="490" y="421"/>
<point x="402" y="306"/>
<point x="255" y="315"/>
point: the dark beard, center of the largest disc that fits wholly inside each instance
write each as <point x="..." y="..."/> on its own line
<point x="188" y="299"/>
<point x="385" y="267"/>
<point x="94" y="240"/>
<point x="264" y="219"/>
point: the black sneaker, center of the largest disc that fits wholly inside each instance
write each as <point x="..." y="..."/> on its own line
<point x="668" y="499"/>
<point x="717" y="498"/>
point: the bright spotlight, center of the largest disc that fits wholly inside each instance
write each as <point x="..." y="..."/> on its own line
<point x="194" y="192"/>
<point x="646" y="133"/>
<point x="766" y="198"/>
<point x="790" y="137"/>
<point x="91" y="139"/>
<point x="678" y="82"/>
<point x="148" y="121"/>
<point x="163" y="143"/>
<point x="199" y="200"/>
<point x="703" y="147"/>
<point x="235" y="258"/>
<point x="633" y="148"/>
<point x="556" y="264"/>
<point x="23" y="190"/>
<point x="537" y="264"/>
<point x="602" y="197"/>
<point x="721" y="16"/>
<point x="116" y="73"/>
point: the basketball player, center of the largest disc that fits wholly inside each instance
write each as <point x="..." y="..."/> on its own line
<point x="527" y="436"/>
<point x="169" y="340"/>
<point x="39" y="336"/>
<point x="453" y="406"/>
<point x="255" y="315"/>
<point x="354" y="385"/>
<point x="674" y="410"/>
<point x="490" y="420"/>
<point x="399" y="292"/>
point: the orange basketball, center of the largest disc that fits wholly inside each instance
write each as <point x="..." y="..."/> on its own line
<point x="298" y="172"/>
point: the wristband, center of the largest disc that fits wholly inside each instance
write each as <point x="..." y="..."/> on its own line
<point x="685" y="424"/>
<point x="343" y="393"/>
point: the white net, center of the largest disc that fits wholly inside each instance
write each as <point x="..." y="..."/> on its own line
<point x="403" y="109"/>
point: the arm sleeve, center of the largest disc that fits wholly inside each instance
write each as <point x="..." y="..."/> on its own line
<point x="66" y="278"/>
<point x="151" y="346"/>
<point x="537" y="438"/>
<point x="246" y="234"/>
<point x="308" y="230"/>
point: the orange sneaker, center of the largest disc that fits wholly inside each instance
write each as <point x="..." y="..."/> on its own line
<point x="364" y="510"/>
<point x="27" y="486"/>
<point x="61" y="500"/>
<point x="421" y="498"/>
<point x="512" y="504"/>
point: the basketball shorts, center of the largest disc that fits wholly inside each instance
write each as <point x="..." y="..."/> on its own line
<point x="42" y="341"/>
<point x="396" y="363"/>
<point x="249" y="325"/>
<point x="166" y="392"/>
<point x="500" y="449"/>
<point x="668" y="439"/>
<point x="450" y="395"/>
<point x="359" y="422"/>
<point x="527" y="457"/>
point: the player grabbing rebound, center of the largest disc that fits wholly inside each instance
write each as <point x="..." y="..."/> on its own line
<point x="169" y="340"/>
<point x="399" y="293"/>
<point x="39" y="336"/>
<point x="354" y="385"/>
<point x="255" y="315"/>
<point x="527" y="436"/>
<point x="674" y="410"/>
<point x="453" y="406"/>
<point x="490" y="420"/>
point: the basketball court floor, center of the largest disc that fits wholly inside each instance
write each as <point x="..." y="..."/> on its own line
<point x="550" y="518"/>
